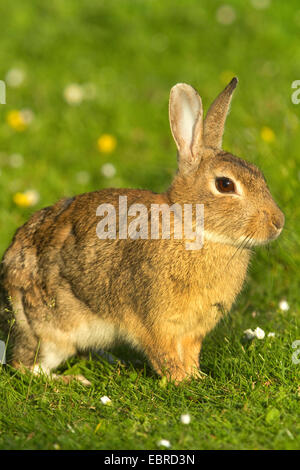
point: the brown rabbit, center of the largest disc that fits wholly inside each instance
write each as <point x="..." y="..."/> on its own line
<point x="69" y="290"/>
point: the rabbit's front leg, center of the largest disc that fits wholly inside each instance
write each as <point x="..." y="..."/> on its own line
<point x="168" y="359"/>
<point x="190" y="351"/>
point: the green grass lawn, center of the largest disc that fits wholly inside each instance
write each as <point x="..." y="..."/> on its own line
<point x="126" y="55"/>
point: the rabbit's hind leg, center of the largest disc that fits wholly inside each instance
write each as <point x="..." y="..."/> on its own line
<point x="46" y="357"/>
<point x="34" y="349"/>
<point x="25" y="344"/>
<point x="51" y="356"/>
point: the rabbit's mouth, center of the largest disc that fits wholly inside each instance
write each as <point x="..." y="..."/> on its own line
<point x="273" y="236"/>
<point x="242" y="241"/>
<point x="270" y="227"/>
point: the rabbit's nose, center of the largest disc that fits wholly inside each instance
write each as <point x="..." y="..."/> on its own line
<point x="278" y="220"/>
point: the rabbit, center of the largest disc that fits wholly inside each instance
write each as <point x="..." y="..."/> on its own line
<point x="66" y="290"/>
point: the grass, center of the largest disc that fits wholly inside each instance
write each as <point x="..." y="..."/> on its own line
<point x="133" y="52"/>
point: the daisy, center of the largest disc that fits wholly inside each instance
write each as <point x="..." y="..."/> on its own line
<point x="257" y="333"/>
<point x="15" y="77"/>
<point x="185" y="418"/>
<point x="225" y="15"/>
<point x="163" y="443"/>
<point x="73" y="94"/>
<point x="260" y="4"/>
<point x="284" y="306"/>
<point x="108" y="170"/>
<point x="105" y="400"/>
<point x="16" y="160"/>
<point x="83" y="177"/>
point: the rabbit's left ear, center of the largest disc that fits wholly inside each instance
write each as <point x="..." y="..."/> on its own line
<point x="216" y="115"/>
<point x="186" y="122"/>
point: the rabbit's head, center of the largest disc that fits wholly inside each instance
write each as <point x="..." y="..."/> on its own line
<point x="238" y="206"/>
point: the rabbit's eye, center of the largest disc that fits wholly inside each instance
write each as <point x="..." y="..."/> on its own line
<point x="225" y="185"/>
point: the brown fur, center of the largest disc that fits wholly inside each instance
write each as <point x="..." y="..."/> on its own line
<point x="69" y="291"/>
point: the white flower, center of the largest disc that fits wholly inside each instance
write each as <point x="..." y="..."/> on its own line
<point x="73" y="94"/>
<point x="185" y="418"/>
<point x="260" y="4"/>
<point x="15" y="77"/>
<point x="16" y="160"/>
<point x="32" y="196"/>
<point x="284" y="306"/>
<point x="108" y="170"/>
<point x="257" y="333"/>
<point x="27" y="115"/>
<point x="27" y="199"/>
<point x="249" y="333"/>
<point x="105" y="400"/>
<point x="83" y="177"/>
<point x="225" y="14"/>
<point x="271" y="334"/>
<point x="164" y="443"/>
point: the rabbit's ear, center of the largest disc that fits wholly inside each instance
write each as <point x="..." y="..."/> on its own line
<point x="216" y="115"/>
<point x="186" y="121"/>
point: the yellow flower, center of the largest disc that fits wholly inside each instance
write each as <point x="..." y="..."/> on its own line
<point x="106" y="143"/>
<point x="27" y="199"/>
<point x="15" y="119"/>
<point x="267" y="134"/>
<point x="21" y="200"/>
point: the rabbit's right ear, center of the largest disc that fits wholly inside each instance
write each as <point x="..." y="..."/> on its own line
<point x="186" y="121"/>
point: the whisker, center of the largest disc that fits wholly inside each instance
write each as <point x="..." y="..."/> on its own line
<point x="241" y="246"/>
